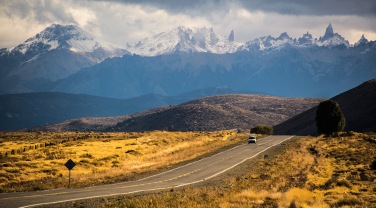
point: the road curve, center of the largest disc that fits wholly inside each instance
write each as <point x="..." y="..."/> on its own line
<point x="191" y="173"/>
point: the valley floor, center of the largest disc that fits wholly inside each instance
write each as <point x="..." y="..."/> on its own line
<point x="304" y="172"/>
<point x="35" y="161"/>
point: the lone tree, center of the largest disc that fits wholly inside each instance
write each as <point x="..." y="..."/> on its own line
<point x="329" y="118"/>
<point x="260" y="129"/>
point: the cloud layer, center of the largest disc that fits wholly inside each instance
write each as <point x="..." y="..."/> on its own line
<point x="127" y="21"/>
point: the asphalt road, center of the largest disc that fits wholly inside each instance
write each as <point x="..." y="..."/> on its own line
<point x="191" y="173"/>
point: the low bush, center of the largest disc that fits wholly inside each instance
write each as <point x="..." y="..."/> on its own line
<point x="268" y="130"/>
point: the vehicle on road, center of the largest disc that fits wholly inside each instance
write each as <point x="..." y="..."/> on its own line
<point x="252" y="139"/>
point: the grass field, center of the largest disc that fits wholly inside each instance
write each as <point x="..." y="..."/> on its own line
<point x="308" y="172"/>
<point x="304" y="172"/>
<point x="35" y="161"/>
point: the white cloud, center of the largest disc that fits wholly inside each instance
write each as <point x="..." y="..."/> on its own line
<point x="121" y="22"/>
<point x="82" y="16"/>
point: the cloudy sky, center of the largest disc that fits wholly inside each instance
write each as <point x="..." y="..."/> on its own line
<point x="128" y="21"/>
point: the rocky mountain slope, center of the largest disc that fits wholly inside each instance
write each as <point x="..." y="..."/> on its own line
<point x="357" y="104"/>
<point x="241" y="111"/>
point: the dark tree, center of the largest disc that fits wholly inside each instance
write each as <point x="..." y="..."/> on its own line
<point x="262" y="130"/>
<point x="329" y="118"/>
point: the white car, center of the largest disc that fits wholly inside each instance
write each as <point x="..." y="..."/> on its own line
<point x="252" y="139"/>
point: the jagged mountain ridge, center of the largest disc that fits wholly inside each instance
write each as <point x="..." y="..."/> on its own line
<point x="183" y="39"/>
<point x="63" y="65"/>
<point x="291" y="72"/>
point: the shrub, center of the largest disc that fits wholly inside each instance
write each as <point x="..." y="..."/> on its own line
<point x="329" y="118"/>
<point x="260" y="129"/>
<point x="373" y="165"/>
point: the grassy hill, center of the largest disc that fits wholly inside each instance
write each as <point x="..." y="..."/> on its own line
<point x="357" y="104"/>
<point x="26" y="110"/>
<point x="236" y="111"/>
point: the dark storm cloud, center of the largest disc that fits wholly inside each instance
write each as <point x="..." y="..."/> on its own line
<point x="190" y="7"/>
<point x="293" y="7"/>
<point x="315" y="7"/>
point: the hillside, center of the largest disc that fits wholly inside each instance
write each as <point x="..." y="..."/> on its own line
<point x="37" y="109"/>
<point x="206" y="114"/>
<point x="358" y="105"/>
<point x="26" y="110"/>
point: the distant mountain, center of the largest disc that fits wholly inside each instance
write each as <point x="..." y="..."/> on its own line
<point x="305" y="67"/>
<point x="26" y="110"/>
<point x="65" y="59"/>
<point x="329" y="40"/>
<point x="204" y="114"/>
<point x="358" y="105"/>
<point x="188" y="40"/>
<point x="53" y="54"/>
<point x="289" y="72"/>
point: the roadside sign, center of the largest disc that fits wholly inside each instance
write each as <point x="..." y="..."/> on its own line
<point x="70" y="165"/>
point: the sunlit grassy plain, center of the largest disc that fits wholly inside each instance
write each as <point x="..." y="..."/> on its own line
<point x="308" y="172"/>
<point x="305" y="172"/>
<point x="35" y="161"/>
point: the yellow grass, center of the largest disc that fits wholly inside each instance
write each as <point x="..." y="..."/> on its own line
<point x="100" y="158"/>
<point x="310" y="172"/>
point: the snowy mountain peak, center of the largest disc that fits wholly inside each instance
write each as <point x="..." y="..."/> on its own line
<point x="306" y="39"/>
<point x="184" y="39"/>
<point x="55" y="53"/>
<point x="268" y="42"/>
<point x="284" y="36"/>
<point x="69" y="37"/>
<point x="231" y="37"/>
<point x="331" y="39"/>
<point x="62" y="33"/>
<point x="362" y="41"/>
<point x="329" y="31"/>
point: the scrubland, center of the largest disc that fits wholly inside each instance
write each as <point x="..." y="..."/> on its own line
<point x="306" y="172"/>
<point x="320" y="171"/>
<point x="35" y="161"/>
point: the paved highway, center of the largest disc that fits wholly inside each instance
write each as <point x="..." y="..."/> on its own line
<point x="191" y="173"/>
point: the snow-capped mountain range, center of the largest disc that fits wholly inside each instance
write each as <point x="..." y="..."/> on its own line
<point x="330" y="40"/>
<point x="180" y="39"/>
<point x="53" y="60"/>
<point x="183" y="39"/>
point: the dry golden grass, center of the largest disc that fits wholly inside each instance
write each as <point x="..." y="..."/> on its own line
<point x="100" y="157"/>
<point x="310" y="172"/>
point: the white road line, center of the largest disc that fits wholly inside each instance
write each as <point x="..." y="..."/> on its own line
<point x="185" y="184"/>
<point x="246" y="159"/>
<point x="186" y="164"/>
